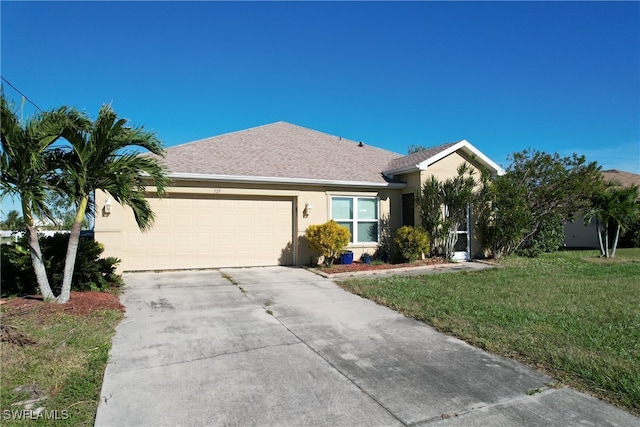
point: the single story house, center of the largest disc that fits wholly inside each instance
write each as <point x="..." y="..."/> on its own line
<point x="246" y="199"/>
<point x="576" y="233"/>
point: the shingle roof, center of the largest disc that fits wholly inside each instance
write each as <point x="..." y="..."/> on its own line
<point x="281" y="150"/>
<point x="623" y="178"/>
<point x="417" y="157"/>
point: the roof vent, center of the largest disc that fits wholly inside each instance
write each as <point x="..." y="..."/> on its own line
<point x="360" y="144"/>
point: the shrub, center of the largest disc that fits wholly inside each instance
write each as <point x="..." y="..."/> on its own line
<point x="412" y="242"/>
<point x="631" y="237"/>
<point x="548" y="239"/>
<point x="91" y="272"/>
<point x="330" y="239"/>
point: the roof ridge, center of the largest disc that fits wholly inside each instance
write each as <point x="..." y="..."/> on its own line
<point x="225" y="134"/>
<point x="304" y="128"/>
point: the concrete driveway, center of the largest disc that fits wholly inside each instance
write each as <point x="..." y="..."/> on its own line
<point x="283" y="346"/>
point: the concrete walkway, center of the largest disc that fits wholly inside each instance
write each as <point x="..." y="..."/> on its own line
<point x="285" y="347"/>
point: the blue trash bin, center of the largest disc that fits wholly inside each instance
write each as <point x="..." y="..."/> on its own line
<point x="346" y="257"/>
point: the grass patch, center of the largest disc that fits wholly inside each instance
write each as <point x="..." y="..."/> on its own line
<point x="64" y="362"/>
<point x="573" y="314"/>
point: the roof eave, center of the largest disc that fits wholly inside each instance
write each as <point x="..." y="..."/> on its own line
<point x="281" y="180"/>
<point x="470" y="149"/>
<point x="400" y="171"/>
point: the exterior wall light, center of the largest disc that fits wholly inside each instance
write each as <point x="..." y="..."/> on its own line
<point x="307" y="210"/>
<point x="107" y="206"/>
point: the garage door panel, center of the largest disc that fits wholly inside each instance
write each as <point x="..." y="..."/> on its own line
<point x="183" y="220"/>
<point x="213" y="232"/>
<point x="183" y="239"/>
<point x="204" y="220"/>
<point x="158" y="239"/>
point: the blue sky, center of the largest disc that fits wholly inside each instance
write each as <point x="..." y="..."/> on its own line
<point x="556" y="77"/>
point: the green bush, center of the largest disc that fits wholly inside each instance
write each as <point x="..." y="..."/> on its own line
<point x="330" y="239"/>
<point x="412" y="242"/>
<point x="631" y="237"/>
<point x="91" y="272"/>
<point x="548" y="239"/>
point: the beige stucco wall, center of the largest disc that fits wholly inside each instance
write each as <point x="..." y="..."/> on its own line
<point x="117" y="228"/>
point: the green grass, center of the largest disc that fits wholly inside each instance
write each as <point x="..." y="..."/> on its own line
<point x="571" y="314"/>
<point x="66" y="362"/>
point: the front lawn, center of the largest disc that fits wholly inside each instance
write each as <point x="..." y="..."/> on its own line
<point x="572" y="314"/>
<point x="54" y="357"/>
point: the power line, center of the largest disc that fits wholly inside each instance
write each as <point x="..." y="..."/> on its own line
<point x="23" y="95"/>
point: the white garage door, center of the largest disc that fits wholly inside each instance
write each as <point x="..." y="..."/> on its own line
<point x="212" y="232"/>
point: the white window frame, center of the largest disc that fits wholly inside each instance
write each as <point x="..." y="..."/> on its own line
<point x="355" y="220"/>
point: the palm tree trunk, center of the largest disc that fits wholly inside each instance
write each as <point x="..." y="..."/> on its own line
<point x="72" y="251"/>
<point x="598" y="230"/>
<point x="606" y="239"/>
<point x="615" y="242"/>
<point x="36" y="254"/>
<point x="38" y="264"/>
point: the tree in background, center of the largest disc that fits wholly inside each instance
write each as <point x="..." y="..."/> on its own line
<point x="63" y="211"/>
<point x="614" y="206"/>
<point x="523" y="208"/>
<point x="417" y="148"/>
<point x="13" y="221"/>
<point x="106" y="156"/>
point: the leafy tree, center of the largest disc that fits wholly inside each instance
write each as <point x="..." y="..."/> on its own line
<point x="28" y="163"/>
<point x="105" y="156"/>
<point x="538" y="191"/>
<point x="417" y="148"/>
<point x="613" y="206"/>
<point x="503" y="214"/>
<point x="13" y="221"/>
<point x="444" y="207"/>
<point x="63" y="211"/>
<point x="548" y="239"/>
<point x="330" y="239"/>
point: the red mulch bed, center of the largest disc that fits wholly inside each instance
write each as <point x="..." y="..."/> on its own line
<point x="81" y="304"/>
<point x="358" y="266"/>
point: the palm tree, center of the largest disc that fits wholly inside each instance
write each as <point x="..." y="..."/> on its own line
<point x="614" y="205"/>
<point x="107" y="157"/>
<point x="444" y="207"/>
<point x="13" y="221"/>
<point x="28" y="162"/>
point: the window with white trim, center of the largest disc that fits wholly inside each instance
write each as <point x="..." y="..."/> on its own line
<point x="359" y="215"/>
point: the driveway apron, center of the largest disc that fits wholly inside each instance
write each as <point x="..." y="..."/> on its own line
<point x="283" y="346"/>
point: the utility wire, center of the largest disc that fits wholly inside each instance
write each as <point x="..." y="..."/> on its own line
<point x="23" y="95"/>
